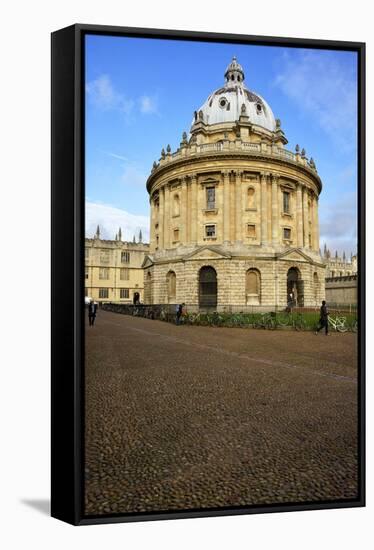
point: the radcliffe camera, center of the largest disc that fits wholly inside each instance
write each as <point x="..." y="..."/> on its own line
<point x="220" y="276"/>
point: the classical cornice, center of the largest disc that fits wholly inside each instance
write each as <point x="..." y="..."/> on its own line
<point x="222" y="256"/>
<point x="229" y="155"/>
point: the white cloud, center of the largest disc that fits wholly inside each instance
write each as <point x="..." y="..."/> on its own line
<point x="115" y="156"/>
<point x="148" y="104"/>
<point x="110" y="218"/>
<point x="323" y="86"/>
<point x="338" y="224"/>
<point x="103" y="94"/>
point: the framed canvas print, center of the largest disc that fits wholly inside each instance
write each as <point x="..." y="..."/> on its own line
<point x="208" y="274"/>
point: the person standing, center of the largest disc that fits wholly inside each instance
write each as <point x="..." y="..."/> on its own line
<point x="323" y="318"/>
<point x="179" y="313"/>
<point x="92" y="309"/>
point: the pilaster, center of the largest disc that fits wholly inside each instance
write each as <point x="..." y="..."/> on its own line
<point x="226" y="206"/>
<point x="238" y="205"/>
<point x="305" y="218"/>
<point x="194" y="209"/>
<point x="167" y="208"/>
<point x="264" y="233"/>
<point x="299" y="216"/>
<point x="274" y="210"/>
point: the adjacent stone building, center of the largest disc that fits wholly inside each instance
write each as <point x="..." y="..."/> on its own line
<point x="339" y="266"/>
<point x="234" y="214"/>
<point x="113" y="269"/>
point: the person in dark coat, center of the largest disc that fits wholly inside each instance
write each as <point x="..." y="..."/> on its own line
<point x="323" y="318"/>
<point x="92" y="309"/>
<point x="179" y="313"/>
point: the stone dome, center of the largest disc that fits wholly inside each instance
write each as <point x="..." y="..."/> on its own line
<point x="233" y="100"/>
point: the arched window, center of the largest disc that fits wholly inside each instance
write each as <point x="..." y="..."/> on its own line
<point x="207" y="287"/>
<point x="251" y="198"/>
<point x="253" y="286"/>
<point x="171" y="281"/>
<point x="176" y="205"/>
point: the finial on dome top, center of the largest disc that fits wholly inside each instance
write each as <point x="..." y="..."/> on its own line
<point x="234" y="72"/>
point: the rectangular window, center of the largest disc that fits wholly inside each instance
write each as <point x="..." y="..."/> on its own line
<point x="287" y="233"/>
<point x="86" y="291"/>
<point x="103" y="292"/>
<point x="125" y="257"/>
<point x="124" y="274"/>
<point x="86" y="252"/>
<point x="105" y="256"/>
<point x="176" y="235"/>
<point x="211" y="198"/>
<point x="86" y="273"/>
<point x="210" y="230"/>
<point x="104" y="273"/>
<point x="286" y="202"/>
<point x="124" y="293"/>
<point x="251" y="231"/>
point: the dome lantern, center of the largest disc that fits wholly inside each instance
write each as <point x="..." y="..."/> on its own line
<point x="234" y="73"/>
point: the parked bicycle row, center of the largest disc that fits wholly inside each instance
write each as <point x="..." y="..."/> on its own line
<point x="179" y="314"/>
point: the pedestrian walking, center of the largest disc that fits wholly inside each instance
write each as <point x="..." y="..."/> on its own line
<point x="323" y="318"/>
<point x="179" y="313"/>
<point x="92" y="309"/>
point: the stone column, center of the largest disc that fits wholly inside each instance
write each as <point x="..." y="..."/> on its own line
<point x="161" y="220"/>
<point x="305" y="218"/>
<point x="167" y="208"/>
<point x="194" y="222"/>
<point x="316" y="222"/>
<point x="183" y="226"/>
<point x="226" y="206"/>
<point x="238" y="205"/>
<point x="274" y="210"/>
<point x="299" y="216"/>
<point x="264" y="210"/>
<point x="152" y="237"/>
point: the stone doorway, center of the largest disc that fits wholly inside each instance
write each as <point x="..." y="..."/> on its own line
<point x="295" y="288"/>
<point x="207" y="288"/>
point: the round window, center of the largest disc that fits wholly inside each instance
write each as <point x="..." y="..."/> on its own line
<point x="259" y="108"/>
<point x="223" y="102"/>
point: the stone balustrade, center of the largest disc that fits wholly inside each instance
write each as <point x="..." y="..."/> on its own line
<point x="238" y="145"/>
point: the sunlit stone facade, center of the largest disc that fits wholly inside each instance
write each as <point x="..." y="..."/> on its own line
<point x="113" y="269"/>
<point x="234" y="215"/>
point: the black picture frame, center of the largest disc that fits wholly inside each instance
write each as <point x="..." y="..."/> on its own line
<point x="67" y="420"/>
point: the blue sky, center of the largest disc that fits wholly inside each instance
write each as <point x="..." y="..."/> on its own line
<point x="141" y="95"/>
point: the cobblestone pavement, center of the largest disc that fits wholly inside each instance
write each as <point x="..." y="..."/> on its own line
<point x="198" y="417"/>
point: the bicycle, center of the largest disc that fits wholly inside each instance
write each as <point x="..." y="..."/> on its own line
<point x="298" y="322"/>
<point x="266" y="321"/>
<point x="338" y="323"/>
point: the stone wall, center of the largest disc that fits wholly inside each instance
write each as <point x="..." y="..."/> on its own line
<point x="231" y="281"/>
<point x="342" y="290"/>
